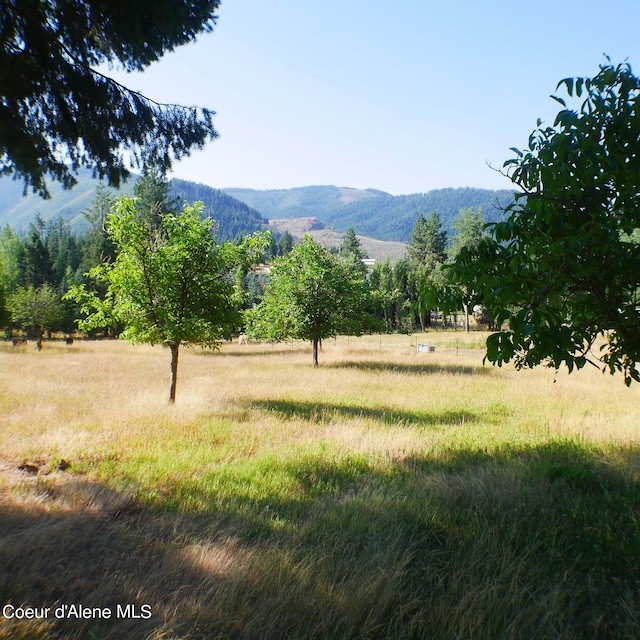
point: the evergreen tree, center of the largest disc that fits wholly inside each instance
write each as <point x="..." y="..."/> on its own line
<point x="351" y="246"/>
<point x="96" y="246"/>
<point x="154" y="200"/>
<point x="427" y="250"/>
<point x="35" y="262"/>
<point x="57" y="106"/>
<point x="285" y="244"/>
<point x="428" y="242"/>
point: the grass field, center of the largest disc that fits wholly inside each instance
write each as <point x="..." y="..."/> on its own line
<point x="387" y="494"/>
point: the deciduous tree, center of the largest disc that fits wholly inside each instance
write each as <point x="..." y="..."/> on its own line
<point x="312" y="295"/>
<point x="36" y="308"/>
<point x="170" y="286"/>
<point x="470" y="230"/>
<point x="562" y="270"/>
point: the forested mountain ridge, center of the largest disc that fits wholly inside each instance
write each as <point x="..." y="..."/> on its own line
<point x="234" y="218"/>
<point x="302" y="202"/>
<point x="370" y="212"/>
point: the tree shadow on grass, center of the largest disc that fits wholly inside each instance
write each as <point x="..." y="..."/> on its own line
<point x="413" y="369"/>
<point x="327" y="412"/>
<point x="538" y="541"/>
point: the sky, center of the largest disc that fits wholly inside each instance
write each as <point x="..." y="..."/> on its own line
<point x="404" y="97"/>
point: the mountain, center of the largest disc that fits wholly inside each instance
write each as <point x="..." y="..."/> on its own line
<point x="234" y="218"/>
<point x="370" y="212"/>
<point x="303" y="202"/>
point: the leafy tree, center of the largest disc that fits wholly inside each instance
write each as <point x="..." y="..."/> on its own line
<point x="562" y="271"/>
<point x="470" y="227"/>
<point x="5" y="315"/>
<point x="37" y="308"/>
<point x="170" y="286"/>
<point x="10" y="256"/>
<point x="56" y="105"/>
<point x="312" y="295"/>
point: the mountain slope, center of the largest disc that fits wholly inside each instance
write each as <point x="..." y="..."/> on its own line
<point x="329" y="238"/>
<point x="302" y="202"/>
<point x="370" y="212"/>
<point x="234" y="217"/>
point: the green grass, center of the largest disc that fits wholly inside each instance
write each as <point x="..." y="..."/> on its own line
<point x="388" y="494"/>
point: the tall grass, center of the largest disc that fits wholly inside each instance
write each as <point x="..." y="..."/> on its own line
<point x="388" y="494"/>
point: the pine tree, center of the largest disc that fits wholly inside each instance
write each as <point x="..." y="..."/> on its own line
<point x="154" y="199"/>
<point x="428" y="242"/>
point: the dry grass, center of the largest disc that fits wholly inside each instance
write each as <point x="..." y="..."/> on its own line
<point x="389" y="494"/>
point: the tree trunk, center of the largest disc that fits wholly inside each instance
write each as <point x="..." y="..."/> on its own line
<point x="467" y="326"/>
<point x="39" y="337"/>
<point x="174" y="372"/>
<point x="315" y="351"/>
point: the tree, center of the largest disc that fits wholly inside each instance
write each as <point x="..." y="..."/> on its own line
<point x="285" y="244"/>
<point x="312" y="295"/>
<point x="56" y="105"/>
<point x="5" y="316"/>
<point x="562" y="270"/>
<point x="469" y="225"/>
<point x="153" y="199"/>
<point x="170" y="286"/>
<point x="37" y="308"/>
<point x="10" y="256"/>
<point x="96" y="247"/>
<point x="351" y="247"/>
<point x="428" y="242"/>
<point x="470" y="228"/>
<point x="34" y="263"/>
<point x="427" y="250"/>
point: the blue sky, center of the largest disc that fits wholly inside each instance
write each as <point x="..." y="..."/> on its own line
<point x="403" y="97"/>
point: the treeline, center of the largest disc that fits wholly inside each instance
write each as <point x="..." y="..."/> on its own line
<point x="39" y="267"/>
<point x="390" y="217"/>
<point x="374" y="213"/>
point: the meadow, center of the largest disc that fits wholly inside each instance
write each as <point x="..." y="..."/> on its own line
<point x="387" y="494"/>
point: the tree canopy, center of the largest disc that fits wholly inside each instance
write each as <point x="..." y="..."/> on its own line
<point x="312" y="295"/>
<point x="56" y="106"/>
<point x="562" y="271"/>
<point x="170" y="285"/>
